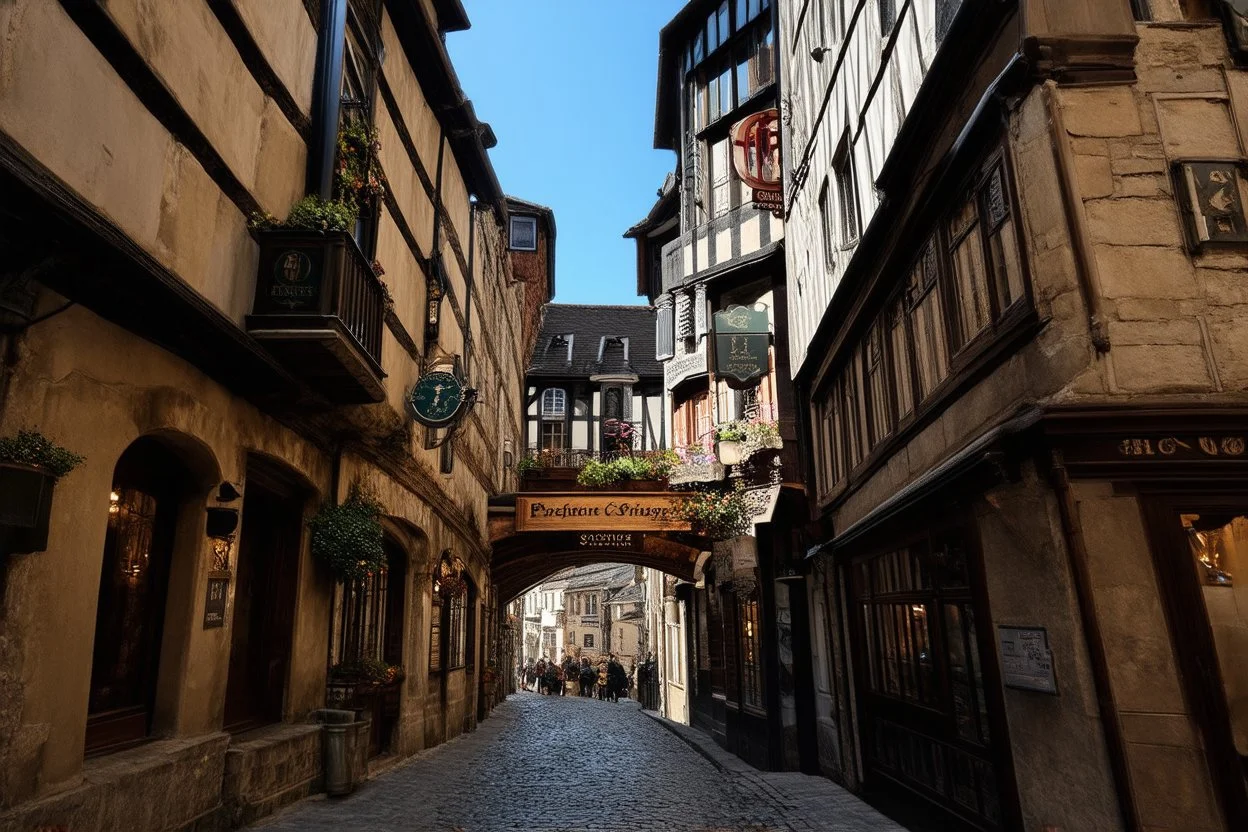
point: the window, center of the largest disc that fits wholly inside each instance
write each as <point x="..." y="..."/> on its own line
<point x="665" y="329"/>
<point x="554" y="403"/>
<point x="455" y="632"/>
<point x="593" y="605"/>
<point x="523" y="236"/>
<point x="435" y="635"/>
<point x="361" y="56"/>
<point x="572" y="636"/>
<point x="846" y="193"/>
<point x="751" y="662"/>
<point x="829" y="229"/>
<point x="589" y="640"/>
<point x="888" y="16"/>
<point x="737" y="73"/>
<point x="967" y="279"/>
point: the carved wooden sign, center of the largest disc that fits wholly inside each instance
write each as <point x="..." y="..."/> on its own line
<point x="598" y="513"/>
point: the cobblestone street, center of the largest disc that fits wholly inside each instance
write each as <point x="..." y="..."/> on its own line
<point x="549" y="763"/>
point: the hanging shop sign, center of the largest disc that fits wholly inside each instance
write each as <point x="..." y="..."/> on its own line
<point x="293" y="279"/>
<point x="598" y="513"/>
<point x="756" y="157"/>
<point x="437" y="399"/>
<point x="742" y="339"/>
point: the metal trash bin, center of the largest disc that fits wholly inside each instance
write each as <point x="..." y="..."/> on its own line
<point x="339" y="777"/>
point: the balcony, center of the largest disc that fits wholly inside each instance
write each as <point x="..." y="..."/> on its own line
<point x="319" y="309"/>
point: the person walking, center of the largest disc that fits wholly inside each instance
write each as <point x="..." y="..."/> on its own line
<point x="587" y="678"/>
<point x="617" y="679"/>
<point x="541" y="676"/>
<point x="570" y="672"/>
<point x="602" y="679"/>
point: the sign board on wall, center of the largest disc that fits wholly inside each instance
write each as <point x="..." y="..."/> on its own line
<point x="682" y="367"/>
<point x="598" y="513"/>
<point x="1026" y="661"/>
<point x="214" y="601"/>
<point x="742" y="341"/>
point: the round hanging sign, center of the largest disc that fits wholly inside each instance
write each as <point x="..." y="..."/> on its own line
<point x="436" y="399"/>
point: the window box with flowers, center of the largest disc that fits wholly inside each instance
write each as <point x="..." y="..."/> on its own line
<point x="716" y="513"/>
<point x="696" y="465"/>
<point x="30" y="465"/>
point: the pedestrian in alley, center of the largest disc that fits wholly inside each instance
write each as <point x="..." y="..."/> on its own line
<point x="540" y="669"/>
<point x="617" y="679"/>
<point x="554" y="679"/>
<point x="602" y="679"/>
<point x="587" y="678"/>
<point x="570" y="672"/>
<point x="530" y="676"/>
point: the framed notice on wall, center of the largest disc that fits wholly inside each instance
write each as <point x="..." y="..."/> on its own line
<point x="1026" y="661"/>
<point x="214" y="601"/>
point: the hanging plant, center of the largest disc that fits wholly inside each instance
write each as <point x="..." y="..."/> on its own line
<point x="359" y="176"/>
<point x="347" y="538"/>
<point x="452" y="586"/>
<point x="719" y="515"/>
<point x="372" y="671"/>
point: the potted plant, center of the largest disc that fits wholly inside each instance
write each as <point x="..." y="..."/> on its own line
<point x="30" y="465"/>
<point x="598" y="474"/>
<point x="452" y="585"/>
<point x="715" y="513"/>
<point x="760" y="435"/>
<point x="728" y="439"/>
<point x="347" y="538"/>
<point x="529" y="465"/>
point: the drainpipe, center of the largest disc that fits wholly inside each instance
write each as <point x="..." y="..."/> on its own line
<point x="1086" y="269"/>
<point x="473" y="207"/>
<point x="326" y="97"/>
<point x="437" y="197"/>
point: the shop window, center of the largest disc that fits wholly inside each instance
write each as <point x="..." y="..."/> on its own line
<point x="523" y="234"/>
<point x="751" y="661"/>
<point x="1219" y="548"/>
<point x="925" y="706"/>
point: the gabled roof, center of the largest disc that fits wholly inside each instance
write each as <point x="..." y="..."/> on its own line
<point x="600" y="575"/>
<point x="582" y="351"/>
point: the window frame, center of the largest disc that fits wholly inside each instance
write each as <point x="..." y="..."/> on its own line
<point x="849" y="227"/>
<point x="519" y="220"/>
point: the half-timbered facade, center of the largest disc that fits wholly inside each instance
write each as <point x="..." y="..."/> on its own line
<point x="1015" y="243"/>
<point x="167" y="654"/>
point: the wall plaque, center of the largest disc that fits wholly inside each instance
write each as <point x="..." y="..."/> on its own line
<point x="1026" y="661"/>
<point x="598" y="513"/>
<point x="742" y="339"/>
<point x="214" y="602"/>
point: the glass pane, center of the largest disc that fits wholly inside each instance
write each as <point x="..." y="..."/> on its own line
<point x="902" y="388"/>
<point x="931" y="353"/>
<point x="1005" y="266"/>
<point x="923" y="655"/>
<point x="724" y="29"/>
<point x="699" y="48"/>
<point x="960" y="674"/>
<point x="971" y="283"/>
<point x="1218" y="542"/>
<point x="743" y="13"/>
<point x="726" y="103"/>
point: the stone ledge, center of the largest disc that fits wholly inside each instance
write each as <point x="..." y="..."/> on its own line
<point x="162" y="785"/>
<point x="269" y="768"/>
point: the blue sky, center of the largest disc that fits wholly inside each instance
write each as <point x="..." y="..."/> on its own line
<point x="568" y="86"/>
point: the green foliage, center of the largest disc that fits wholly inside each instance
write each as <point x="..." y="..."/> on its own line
<point x="730" y="432"/>
<point x="761" y="432"/>
<point x="367" y="670"/>
<point x="597" y="474"/>
<point x="347" y="537"/>
<point x="719" y="515"/>
<point x="359" y="176"/>
<point x="632" y="468"/>
<point x="315" y="214"/>
<point x="530" y="464"/>
<point x="662" y="463"/>
<point x="30" y="447"/>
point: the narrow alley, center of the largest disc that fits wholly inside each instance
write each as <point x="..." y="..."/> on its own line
<point x="562" y="763"/>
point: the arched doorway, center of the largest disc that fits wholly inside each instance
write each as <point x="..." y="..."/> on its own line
<point x="264" y="597"/>
<point x="150" y="486"/>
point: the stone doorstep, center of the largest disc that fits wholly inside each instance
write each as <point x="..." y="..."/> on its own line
<point x="115" y="779"/>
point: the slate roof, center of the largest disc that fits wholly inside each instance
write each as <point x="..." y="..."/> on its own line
<point x="600" y="575"/>
<point x="634" y="594"/>
<point x="587" y="325"/>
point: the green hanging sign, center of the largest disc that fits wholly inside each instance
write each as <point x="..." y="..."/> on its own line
<point x="742" y="341"/>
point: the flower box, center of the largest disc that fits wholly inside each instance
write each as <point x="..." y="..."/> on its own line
<point x="25" y="508"/>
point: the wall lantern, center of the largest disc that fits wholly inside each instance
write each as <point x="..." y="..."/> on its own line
<point x="220" y="527"/>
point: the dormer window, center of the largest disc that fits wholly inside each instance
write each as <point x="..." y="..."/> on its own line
<point x="612" y="341"/>
<point x="523" y="235"/>
<point x="561" y="342"/>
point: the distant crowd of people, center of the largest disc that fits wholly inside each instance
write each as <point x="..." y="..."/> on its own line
<point x="605" y="678"/>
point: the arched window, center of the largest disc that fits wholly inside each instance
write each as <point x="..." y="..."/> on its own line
<point x="554" y="403"/>
<point x="149" y="484"/>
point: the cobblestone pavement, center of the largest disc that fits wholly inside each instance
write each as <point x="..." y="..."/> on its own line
<point x="551" y="763"/>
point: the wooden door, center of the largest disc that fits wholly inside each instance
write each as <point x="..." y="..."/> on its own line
<point x="264" y="600"/>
